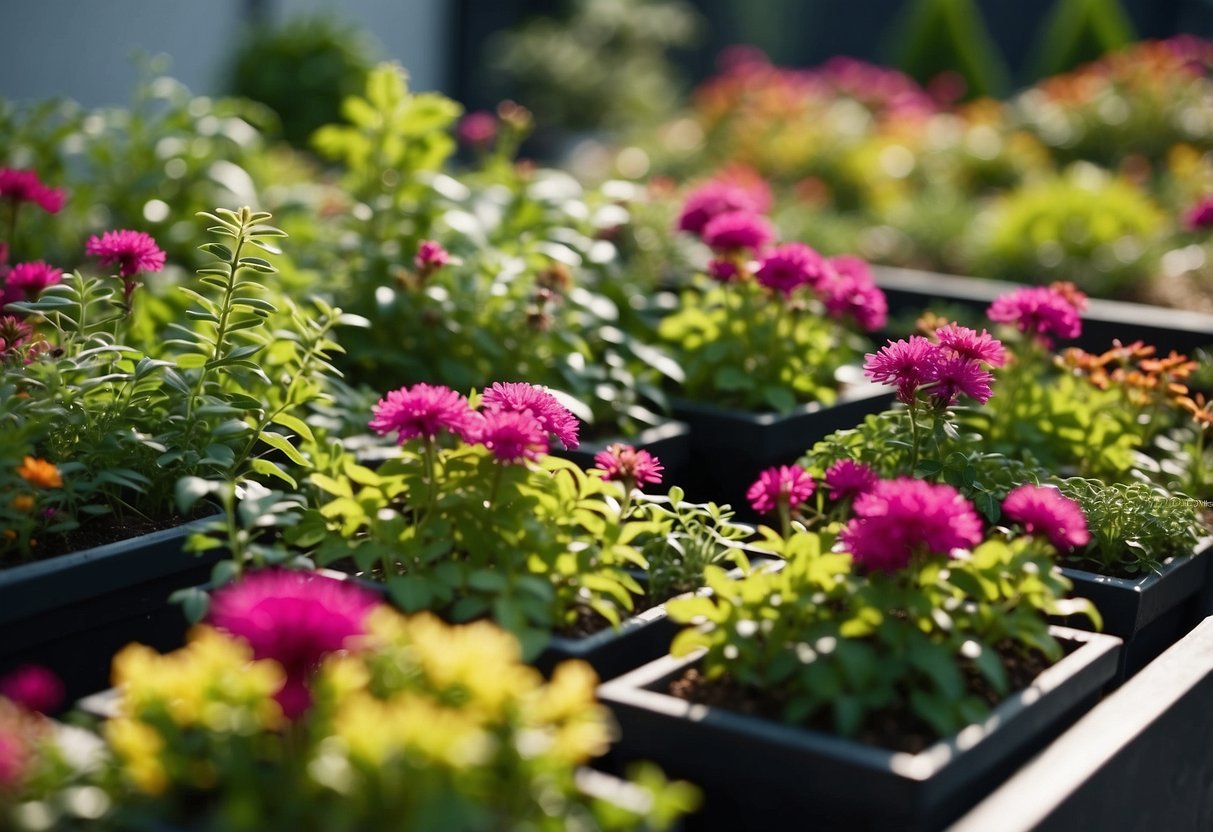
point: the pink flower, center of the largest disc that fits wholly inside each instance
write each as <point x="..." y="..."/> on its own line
<point x="1038" y="311"/>
<point x="714" y="198"/>
<point x="792" y="265"/>
<point x="847" y="478"/>
<point x="295" y="619"/>
<point x="900" y="518"/>
<point x="34" y="688"/>
<point x="626" y="464"/>
<point x="955" y="375"/>
<point x="1200" y="215"/>
<point x="15" y="758"/>
<point x="723" y="270"/>
<point x="477" y="129"/>
<point x="853" y="292"/>
<point x="14" y="333"/>
<point x="23" y="186"/>
<point x="423" y="410"/>
<point x="520" y="397"/>
<point x="784" y="484"/>
<point x="971" y="344"/>
<point x="513" y="436"/>
<point x="1045" y="510"/>
<point x="738" y="230"/>
<point x="431" y="257"/>
<point x="131" y="251"/>
<point x="907" y="365"/>
<point x="25" y="281"/>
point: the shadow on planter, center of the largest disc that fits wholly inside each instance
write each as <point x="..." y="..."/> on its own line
<point x="757" y="774"/>
<point x="730" y="448"/>
<point x="911" y="292"/>
<point x="1150" y="613"/>
<point x="1137" y="762"/>
<point x="72" y="613"/>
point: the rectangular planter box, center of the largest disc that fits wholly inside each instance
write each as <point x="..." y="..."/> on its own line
<point x="1139" y="761"/>
<point x="72" y="613"/>
<point x="1148" y="613"/>
<point x="910" y="292"/>
<point x="759" y="774"/>
<point x="730" y="448"/>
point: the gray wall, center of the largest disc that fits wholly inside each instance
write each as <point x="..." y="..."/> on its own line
<point x="82" y="49"/>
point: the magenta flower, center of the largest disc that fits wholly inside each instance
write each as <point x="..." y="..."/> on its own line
<point x="955" y="376"/>
<point x="295" y="619"/>
<point x="34" y="688"/>
<point x="132" y="251"/>
<point x="907" y="365"/>
<point x="14" y="333"/>
<point x="24" y="186"/>
<point x="714" y="198"/>
<point x="1038" y="311"/>
<point x="424" y="410"/>
<point x="520" y="397"/>
<point x="847" y="478"/>
<point x="1200" y="215"/>
<point x="513" y="436"/>
<point x="792" y="265"/>
<point x="431" y="257"/>
<point x="477" y="129"/>
<point x="898" y="519"/>
<point x="788" y="485"/>
<point x="971" y="344"/>
<point x="723" y="270"/>
<point x="25" y="281"/>
<point x="738" y="230"/>
<point x="627" y="465"/>
<point x="854" y="293"/>
<point x="1045" y="510"/>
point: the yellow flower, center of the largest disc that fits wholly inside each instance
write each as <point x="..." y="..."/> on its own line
<point x="138" y="746"/>
<point x="40" y="473"/>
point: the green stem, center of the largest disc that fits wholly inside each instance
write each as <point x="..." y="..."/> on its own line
<point x="912" y="411"/>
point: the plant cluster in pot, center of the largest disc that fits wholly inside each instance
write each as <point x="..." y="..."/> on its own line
<point x="105" y="405"/>
<point x="474" y="518"/>
<point x="766" y="336"/>
<point x="313" y="688"/>
<point x="898" y="666"/>
<point x="1118" y="432"/>
<point x="497" y="272"/>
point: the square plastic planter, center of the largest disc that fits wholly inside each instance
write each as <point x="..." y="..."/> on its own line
<point x="71" y="613"/>
<point x="759" y="774"/>
<point x="730" y="448"/>
<point x="1150" y="613"/>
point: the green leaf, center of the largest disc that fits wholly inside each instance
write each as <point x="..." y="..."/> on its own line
<point x="279" y="442"/>
<point x="410" y="592"/>
<point x="194" y="603"/>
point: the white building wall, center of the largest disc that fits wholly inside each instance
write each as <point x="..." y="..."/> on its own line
<point x="82" y="49"/>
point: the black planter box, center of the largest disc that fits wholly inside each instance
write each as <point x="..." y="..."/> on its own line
<point x="730" y="448"/>
<point x="1148" y="613"/>
<point x="909" y="292"/>
<point x="759" y="775"/>
<point x="72" y="613"/>
<point x="1139" y="761"/>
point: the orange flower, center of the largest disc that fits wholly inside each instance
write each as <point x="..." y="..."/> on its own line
<point x="40" y="473"/>
<point x="22" y="502"/>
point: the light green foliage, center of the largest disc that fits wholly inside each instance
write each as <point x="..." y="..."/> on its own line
<point x="831" y="643"/>
<point x="740" y="346"/>
<point x="389" y="129"/>
<point x="1087" y="227"/>
<point x="1134" y="526"/>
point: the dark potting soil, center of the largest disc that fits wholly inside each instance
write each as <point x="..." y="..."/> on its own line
<point x="103" y="529"/>
<point x="896" y="728"/>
